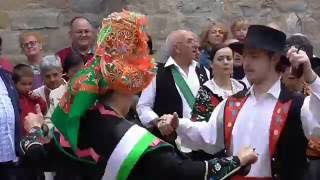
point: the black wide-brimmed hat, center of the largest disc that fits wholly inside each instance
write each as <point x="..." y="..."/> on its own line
<point x="262" y="37"/>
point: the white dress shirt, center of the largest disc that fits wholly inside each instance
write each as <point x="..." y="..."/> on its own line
<point x="251" y="127"/>
<point x="146" y="101"/>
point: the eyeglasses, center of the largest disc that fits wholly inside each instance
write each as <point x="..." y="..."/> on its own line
<point x="29" y="44"/>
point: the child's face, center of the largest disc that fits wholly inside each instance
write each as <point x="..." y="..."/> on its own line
<point x="240" y="33"/>
<point x="24" y="85"/>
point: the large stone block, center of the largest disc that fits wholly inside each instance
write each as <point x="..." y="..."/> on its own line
<point x="10" y="42"/>
<point x="11" y="5"/>
<point x="35" y="19"/>
<point x="4" y="20"/>
<point x="95" y="19"/>
<point x="161" y="26"/>
<point x="57" y="39"/>
<point x="200" y="6"/>
<point x="292" y="5"/>
<point x="60" y="4"/>
<point x="92" y="6"/>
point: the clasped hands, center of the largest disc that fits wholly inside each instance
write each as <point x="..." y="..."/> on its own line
<point x="167" y="124"/>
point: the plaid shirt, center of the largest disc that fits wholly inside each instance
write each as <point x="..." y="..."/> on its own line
<point x="7" y="126"/>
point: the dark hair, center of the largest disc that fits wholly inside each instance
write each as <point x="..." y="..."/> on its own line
<point x="216" y="49"/>
<point x="70" y="62"/>
<point x="281" y="65"/>
<point x="21" y="70"/>
<point x="76" y="18"/>
<point x="149" y="42"/>
<point x="301" y="42"/>
<point x="0" y="41"/>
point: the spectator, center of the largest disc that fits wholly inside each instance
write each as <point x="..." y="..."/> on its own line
<point x="51" y="72"/>
<point x="214" y="35"/>
<point x="165" y="95"/>
<point x="72" y="65"/>
<point x="9" y="125"/>
<point x="82" y="36"/>
<point x="23" y="77"/>
<point x="31" y="44"/>
<point x="239" y="29"/>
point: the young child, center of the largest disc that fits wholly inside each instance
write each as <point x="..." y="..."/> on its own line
<point x="239" y="29"/>
<point x="23" y="77"/>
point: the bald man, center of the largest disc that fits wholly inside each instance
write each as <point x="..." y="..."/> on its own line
<point x="176" y="83"/>
<point x="82" y="37"/>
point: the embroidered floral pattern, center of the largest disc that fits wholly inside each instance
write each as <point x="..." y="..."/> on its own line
<point x="222" y="167"/>
<point x="204" y="104"/>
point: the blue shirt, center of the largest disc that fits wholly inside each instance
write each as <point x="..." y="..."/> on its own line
<point x="205" y="59"/>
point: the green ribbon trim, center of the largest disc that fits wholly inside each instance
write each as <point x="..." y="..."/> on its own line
<point x="68" y="123"/>
<point x="135" y="155"/>
<point x="183" y="86"/>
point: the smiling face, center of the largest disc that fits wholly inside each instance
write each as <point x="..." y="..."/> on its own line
<point x="31" y="46"/>
<point x="81" y="33"/>
<point x="216" y="35"/>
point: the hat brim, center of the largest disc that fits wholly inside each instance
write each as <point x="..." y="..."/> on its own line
<point x="238" y="47"/>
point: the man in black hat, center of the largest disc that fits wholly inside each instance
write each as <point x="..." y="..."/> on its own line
<point x="267" y="117"/>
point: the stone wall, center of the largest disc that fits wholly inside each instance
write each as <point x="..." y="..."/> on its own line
<point x="51" y="17"/>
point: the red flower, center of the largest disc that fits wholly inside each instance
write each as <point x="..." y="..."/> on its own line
<point x="214" y="101"/>
<point x="201" y="108"/>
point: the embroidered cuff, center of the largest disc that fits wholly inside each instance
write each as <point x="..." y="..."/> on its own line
<point x="220" y="168"/>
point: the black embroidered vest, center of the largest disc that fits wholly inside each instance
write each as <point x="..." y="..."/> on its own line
<point x="167" y="99"/>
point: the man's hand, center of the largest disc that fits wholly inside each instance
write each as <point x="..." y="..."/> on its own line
<point x="299" y="57"/>
<point x="168" y="123"/>
<point x="34" y="120"/>
<point x="247" y="156"/>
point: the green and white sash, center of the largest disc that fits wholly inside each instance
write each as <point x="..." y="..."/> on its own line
<point x="187" y="94"/>
<point x="127" y="153"/>
<point x="183" y="86"/>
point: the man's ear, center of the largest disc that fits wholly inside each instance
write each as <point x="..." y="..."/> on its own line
<point x="275" y="58"/>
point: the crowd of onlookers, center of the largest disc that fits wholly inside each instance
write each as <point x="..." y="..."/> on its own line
<point x="42" y="80"/>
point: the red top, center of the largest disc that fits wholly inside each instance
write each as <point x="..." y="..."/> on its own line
<point x="5" y="64"/>
<point x="28" y="104"/>
<point x="67" y="52"/>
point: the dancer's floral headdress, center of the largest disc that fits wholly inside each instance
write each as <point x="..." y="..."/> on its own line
<point x="121" y="63"/>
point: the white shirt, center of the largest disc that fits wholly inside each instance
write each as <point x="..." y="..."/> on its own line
<point x="146" y="101"/>
<point x="251" y="127"/>
<point x="54" y="97"/>
<point x="7" y="126"/>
